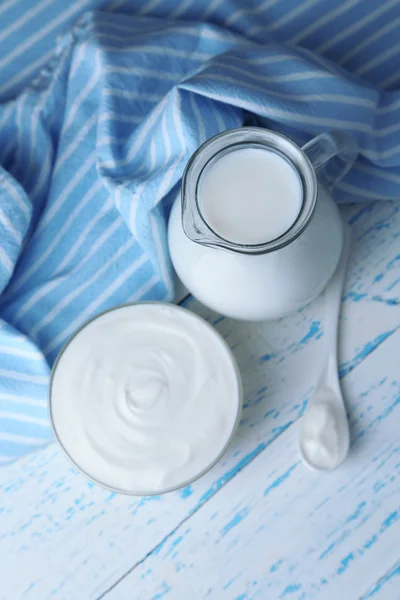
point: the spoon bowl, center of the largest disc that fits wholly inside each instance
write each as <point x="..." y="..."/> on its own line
<point x="324" y="437"/>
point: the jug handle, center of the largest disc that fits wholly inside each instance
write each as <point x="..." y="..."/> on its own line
<point x="331" y="154"/>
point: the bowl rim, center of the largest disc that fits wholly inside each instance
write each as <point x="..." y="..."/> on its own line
<point x="229" y="439"/>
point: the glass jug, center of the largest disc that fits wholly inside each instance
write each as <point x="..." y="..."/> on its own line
<point x="272" y="279"/>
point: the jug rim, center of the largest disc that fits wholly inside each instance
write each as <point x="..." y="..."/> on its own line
<point x="195" y="225"/>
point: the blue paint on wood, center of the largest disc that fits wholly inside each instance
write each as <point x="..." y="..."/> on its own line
<point x="392" y="262"/>
<point x="269" y="412"/>
<point x="228" y="476"/>
<point x="290" y="589"/>
<point x="378" y="486"/>
<point x="219" y="320"/>
<point x="347" y="367"/>
<point x="178" y="565"/>
<point x="344" y="564"/>
<point x="389" y="521"/>
<point x="238" y="467"/>
<point x="146" y="573"/>
<point x="267" y="357"/>
<point x="159" y="547"/>
<point x="355" y="297"/>
<point x="356" y="513"/>
<point x="29" y="588"/>
<point x="371" y="542"/>
<point x="381" y="225"/>
<point x="163" y="592"/>
<point x="387" y="412"/>
<point x="327" y="550"/>
<point x="313" y="331"/>
<point x="278" y="430"/>
<point x="229" y="583"/>
<point x="259" y="399"/>
<point x="93" y="518"/>
<point x="345" y="534"/>
<point x="387" y="301"/>
<point x="393" y="285"/>
<point x="365" y="210"/>
<point x="276" y="566"/>
<point x="280" y="479"/>
<point x="242" y="514"/>
<point x="186" y="492"/>
<point x="173" y="545"/>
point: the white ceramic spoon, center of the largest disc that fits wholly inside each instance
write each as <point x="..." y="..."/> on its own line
<point x="324" y="429"/>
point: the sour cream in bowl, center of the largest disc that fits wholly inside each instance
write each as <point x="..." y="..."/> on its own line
<point x="145" y="398"/>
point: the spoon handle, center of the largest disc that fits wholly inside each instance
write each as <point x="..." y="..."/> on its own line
<point x="332" y="300"/>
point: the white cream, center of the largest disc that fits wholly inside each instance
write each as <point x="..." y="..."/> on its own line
<point x="320" y="432"/>
<point x="250" y="196"/>
<point x="145" y="398"/>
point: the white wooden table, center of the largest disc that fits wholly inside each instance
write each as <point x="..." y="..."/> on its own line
<point x="259" y="525"/>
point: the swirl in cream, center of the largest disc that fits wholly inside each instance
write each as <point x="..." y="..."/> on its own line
<point x="145" y="397"/>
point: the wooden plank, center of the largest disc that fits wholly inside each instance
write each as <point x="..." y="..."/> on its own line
<point x="62" y="537"/>
<point x="279" y="531"/>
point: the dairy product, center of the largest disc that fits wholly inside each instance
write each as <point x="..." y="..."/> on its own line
<point x="320" y="440"/>
<point x="250" y="196"/>
<point x="145" y="398"/>
<point x="264" y="286"/>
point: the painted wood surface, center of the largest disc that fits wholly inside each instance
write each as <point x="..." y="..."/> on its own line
<point x="258" y="525"/>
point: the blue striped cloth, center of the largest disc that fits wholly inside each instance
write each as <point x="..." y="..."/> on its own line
<point x="96" y="127"/>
